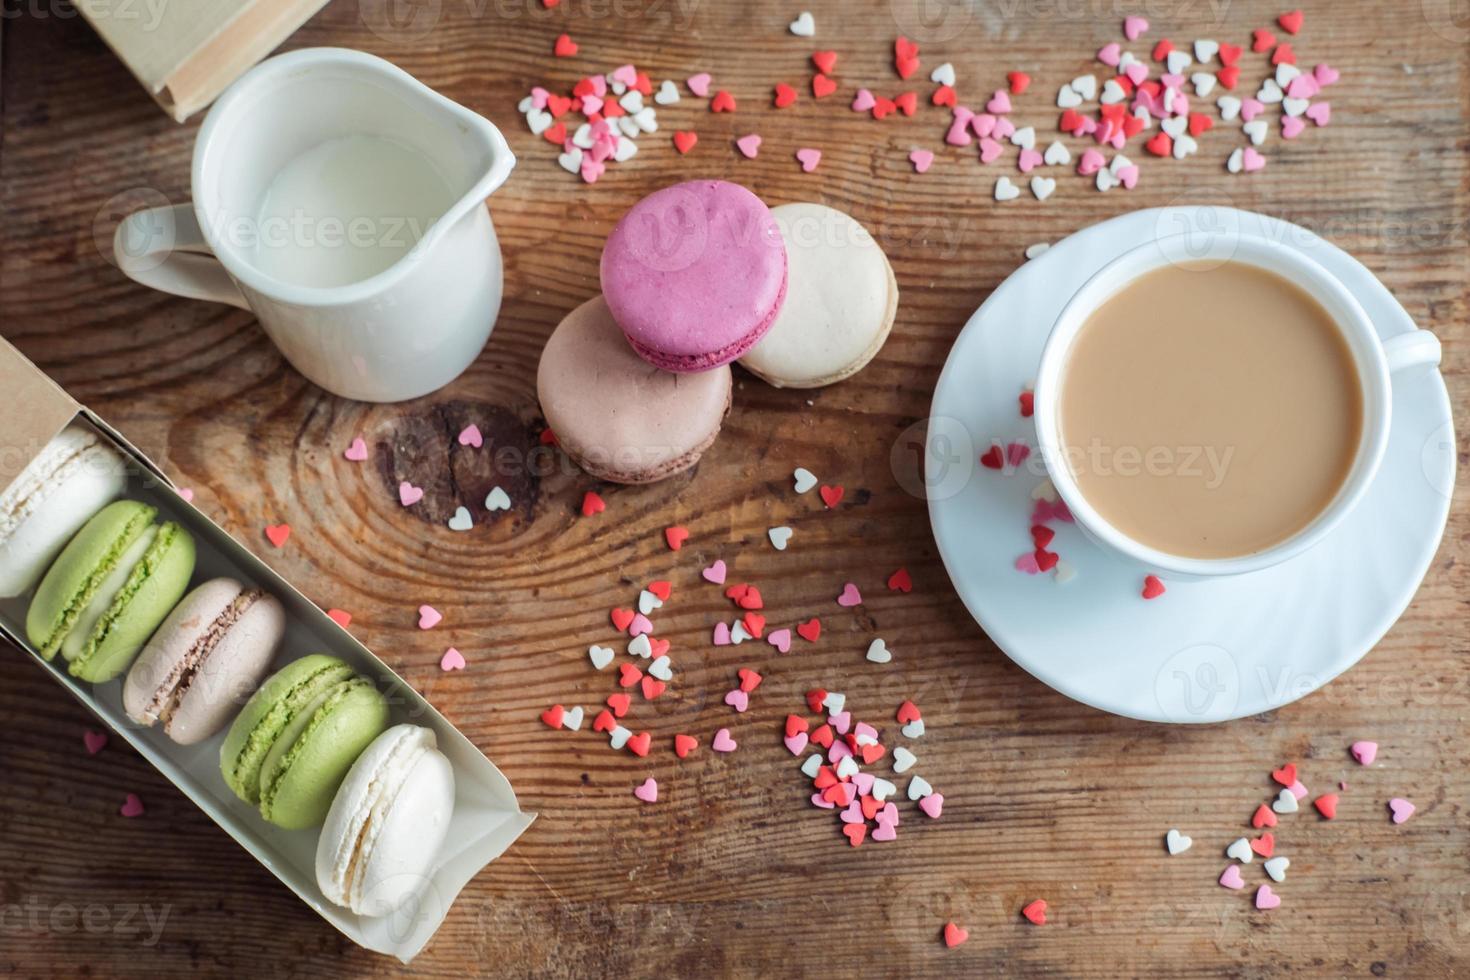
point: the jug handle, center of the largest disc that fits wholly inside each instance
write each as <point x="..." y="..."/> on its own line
<point x="163" y="248"/>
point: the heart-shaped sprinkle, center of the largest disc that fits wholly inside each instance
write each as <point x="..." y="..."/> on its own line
<point x="662" y="668"/>
<point x="341" y="617"/>
<point x="1152" y="587"/>
<point x="1240" y="850"/>
<point x="684" y="140"/>
<point x="357" y="452"/>
<point x="921" y="159"/>
<point x="1005" y="190"/>
<point x="809" y="157"/>
<point x="1291" y="22"/>
<point x="94" y="741"/>
<point x="805" y="25"/>
<point x="621" y="618"/>
<point x="470" y="436"/>
<point x="878" y="652"/>
<point x="914" y="729"/>
<point x="1400" y="809"/>
<point x="1266" y="898"/>
<point x="648" y="602"/>
<point x="1320" y="113"/>
<point x="780" y="537"/>
<point x="1232" y="878"/>
<point x="1286" y="775"/>
<point x="1263" y="817"/>
<point x="1176" y="842"/>
<point x="803" y="479"/>
<point x="553" y="715"/>
<point x="862" y="102"/>
<point x="932" y="805"/>
<point x="277" y="534"/>
<point x="647" y="791"/>
<point x="919" y="788"/>
<point x="903" y="760"/>
<point x="749" y="145"/>
<point x="619" y="703"/>
<point x="429" y="617"/>
<point x="850" y="596"/>
<point x="738" y="633"/>
<point x="564" y="47"/>
<point x="571" y="719"/>
<point x="132" y="806"/>
<point x="1042" y="187"/>
<point x="639" y="744"/>
<point x="855" y="832"/>
<point x="833" y="701"/>
<point x="1285" y="802"/>
<point x="797" y="743"/>
<point x="497" y="499"/>
<point x="824" y="61"/>
<point x="1135" y="27"/>
<point x="715" y="574"/>
<point x="618" y="737"/>
<point x="1035" y="912"/>
<point x="452" y="660"/>
<point x="721" y="637"/>
<point x="1028" y="564"/>
<point x="943" y="75"/>
<point x="810" y="630"/>
<point x="1326" y="805"/>
<point x="954" y="935"/>
<point x="840" y="720"/>
<point x="684" y="744"/>
<point x="408" y="494"/>
<point x="699" y="84"/>
<point x="723" y="742"/>
<point x="1276" y="868"/>
<point x="592" y="504"/>
<point x="990" y="150"/>
<point x="738" y="699"/>
<point x="780" y="639"/>
<point x="651" y="687"/>
<point x="1264" y="845"/>
<point x="1364" y="752"/>
<point x="629" y="675"/>
<point x="600" y="656"/>
<point x="640" y="624"/>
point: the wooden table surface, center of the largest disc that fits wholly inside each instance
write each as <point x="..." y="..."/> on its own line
<point x="733" y="872"/>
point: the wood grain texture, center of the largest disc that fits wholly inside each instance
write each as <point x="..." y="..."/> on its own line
<point x="733" y="872"/>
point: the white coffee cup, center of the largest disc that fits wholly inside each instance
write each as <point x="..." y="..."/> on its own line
<point x="1374" y="359"/>
<point x="400" y="333"/>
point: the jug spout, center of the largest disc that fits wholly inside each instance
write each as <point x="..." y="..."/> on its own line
<point x="495" y="159"/>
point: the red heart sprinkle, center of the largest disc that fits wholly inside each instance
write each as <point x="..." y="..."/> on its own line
<point x="652" y="687"/>
<point x="628" y="675"/>
<point x="749" y="679"/>
<point x="341" y="617"/>
<point x="825" y="778"/>
<point x="809" y="631"/>
<point x="855" y="832"/>
<point x="277" y="533"/>
<point x="814" y="699"/>
<point x="870" y="806"/>
<point x="684" y="140"/>
<point x="907" y="712"/>
<point x="1152" y="587"/>
<point x="1229" y="76"/>
<point x="621" y="618"/>
<point x="1132" y="126"/>
<point x="751" y="599"/>
<point x="899" y="581"/>
<point x="908" y="103"/>
<point x="639" y="744"/>
<point x="822" y="86"/>
<point x="619" y="703"/>
<point x="660" y="647"/>
<point x="592" y="504"/>
<point x="1263" y="817"/>
<point x="1046" y="560"/>
<point x="1028" y="398"/>
<point x="904" y="48"/>
<point x="552" y="716"/>
<point x="1019" y="81"/>
<point x="1326" y="805"/>
<point x="1041" y="535"/>
<point x="944" y="95"/>
<point x="755" y="624"/>
<point x="565" y="47"/>
<point x="613" y="110"/>
<point x="722" y="102"/>
<point x="584" y="86"/>
<point x="954" y="935"/>
<point x="906" y="67"/>
<point x="785" y="95"/>
<point x="796" y="724"/>
<point x="1160" y="144"/>
<point x="1262" y="40"/>
<point x="883" y="107"/>
<point x="684" y="744"/>
<point x="871" y="753"/>
<point x="831" y="496"/>
<point x="737" y="592"/>
<point x="825" y="61"/>
<point x="604" y="721"/>
<point x="1036" y="912"/>
<point x="643" y="84"/>
<point x="1229" y="53"/>
<point x="1162" y="49"/>
<point x="676" y="536"/>
<point x="661" y="588"/>
<point x="556" y="135"/>
<point x="558" y="105"/>
<point x="1291" y="22"/>
<point x="1199" y="123"/>
<point x="993" y="458"/>
<point x="1283" y="55"/>
<point x="1286" y="775"/>
<point x="822" y="736"/>
<point x="1264" y="845"/>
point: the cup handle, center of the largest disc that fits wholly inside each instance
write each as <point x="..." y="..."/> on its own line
<point x="1411" y="349"/>
<point x="163" y="248"/>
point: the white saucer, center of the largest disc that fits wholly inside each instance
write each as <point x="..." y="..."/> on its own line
<point x="1205" y="651"/>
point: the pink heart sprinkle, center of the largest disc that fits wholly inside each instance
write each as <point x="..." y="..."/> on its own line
<point x="640" y="624"/>
<point x="1000" y="102"/>
<point x="1299" y="790"/>
<point x="1325" y="74"/>
<point x="1047" y="511"/>
<point x="723" y="742"/>
<point x="863" y="101"/>
<point x="959" y="133"/>
<point x="1110" y="54"/>
<point x="1137" y="72"/>
<point x="357" y="452"/>
<point x="599" y="86"/>
<point x="470" y="436"/>
<point x="921" y="159"/>
<point x="809" y="157"/>
<point x="452" y="660"/>
<point x="1232" y="878"/>
<point x="1320" y="112"/>
<point x="862" y="729"/>
<point x="408" y="494"/>
<point x="1402" y="809"/>
<point x="1128" y="176"/>
<point x="599" y="130"/>
<point x="1292" y="127"/>
<point x="850" y="596"/>
<point x="1364" y="752"/>
<point x="888" y="815"/>
<point x="780" y="639"/>
<point x="738" y="700"/>
<point x="538" y="97"/>
<point x="962" y="114"/>
<point x="864" y="782"/>
<point x="186" y="494"/>
<point x="429" y="617"/>
<point x="626" y="74"/>
<point x="1029" y="161"/>
<point x="989" y="150"/>
<point x="983" y="124"/>
<point x="132" y="806"/>
<point x="1017" y="452"/>
<point x="1303" y="87"/>
<point x="1171" y="79"/>
<point x="1252" y="160"/>
<point x="699" y="84"/>
<point x="1003" y="128"/>
<point x="819" y="800"/>
<point x="796" y="744"/>
<point x="647" y="791"/>
<point x="722" y="635"/>
<point x="94" y="741"/>
<point x="1027" y="563"/>
<point x="853" y="813"/>
<point x="1251" y="108"/>
<point x="715" y="574"/>
<point x="600" y="151"/>
<point x="932" y="805"/>
<point x="885" y="832"/>
<point x="840" y="721"/>
<point x="1092" y="161"/>
<point x="592" y="169"/>
<point x="1266" y="898"/>
<point x="838" y="752"/>
<point x="749" y="145"/>
<point x="1134" y="27"/>
<point x="591" y="104"/>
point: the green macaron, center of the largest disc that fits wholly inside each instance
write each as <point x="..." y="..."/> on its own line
<point x="109" y="589"/>
<point x="293" y="742"/>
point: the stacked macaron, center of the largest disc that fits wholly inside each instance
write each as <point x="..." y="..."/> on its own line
<point x="635" y="383"/>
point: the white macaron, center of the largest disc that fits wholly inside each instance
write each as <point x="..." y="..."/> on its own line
<point x="382" y="836"/>
<point x="69" y="481"/>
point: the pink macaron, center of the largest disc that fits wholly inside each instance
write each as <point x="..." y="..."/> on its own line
<point x="695" y="274"/>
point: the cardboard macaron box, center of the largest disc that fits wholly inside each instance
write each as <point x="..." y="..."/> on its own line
<point x="306" y="748"/>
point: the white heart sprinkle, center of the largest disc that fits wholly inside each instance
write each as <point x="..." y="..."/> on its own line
<point x="571" y="161"/>
<point x="1174" y="125"/>
<point x="1285" y="802"/>
<point x="805" y="25"/>
<point x="1178" y="61"/>
<point x="1067" y="98"/>
<point x="1229" y="107"/>
<point x="1256" y="129"/>
<point x="1205" y="50"/>
<point x="539" y="121"/>
<point x="1005" y="190"/>
<point x="919" y="788"/>
<point x="914" y="729"/>
<point x="648" y="602"/>
<point x="619" y="736"/>
<point x="1294" y="107"/>
<point x="525" y="105"/>
<point x="497" y="499"/>
<point x="1105" y="180"/>
<point x="1045" y="490"/>
<point x="882" y="789"/>
<point x="878" y="652"/>
<point x="1141" y="112"/>
<point x="834" y="702"/>
<point x="1025" y="138"/>
<point x="779" y="536"/>
<point x="1204" y="83"/>
<point x="1286" y="73"/>
<point x="1184" y="146"/>
<point x="804" y="479"/>
<point x="646" y="119"/>
<point x="461" y="521"/>
<point x="903" y="760"/>
<point x="812" y="766"/>
<point x="601" y="656"/>
<point x="640" y="646"/>
<point x="632" y="101"/>
<point x="583" y="137"/>
<point x="1056" y="155"/>
<point x="1276" y="867"/>
<point x="1235" y="163"/>
<point x="1270" y="92"/>
<point x="626" y="150"/>
<point x="662" y="668"/>
<point x="1064" y="572"/>
<point x="943" y="75"/>
<point x="1240" y="850"/>
<point x="667" y="94"/>
<point x="629" y="127"/>
<point x="1112" y="92"/>
<point x="571" y="719"/>
<point x="847" y="767"/>
<point x="1085" y="86"/>
<point x="1043" y="186"/>
<point x="738" y="633"/>
<point x="1124" y="60"/>
<point x="1177" y="843"/>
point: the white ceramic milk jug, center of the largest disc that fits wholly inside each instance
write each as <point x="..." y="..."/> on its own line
<point x="343" y="202"/>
